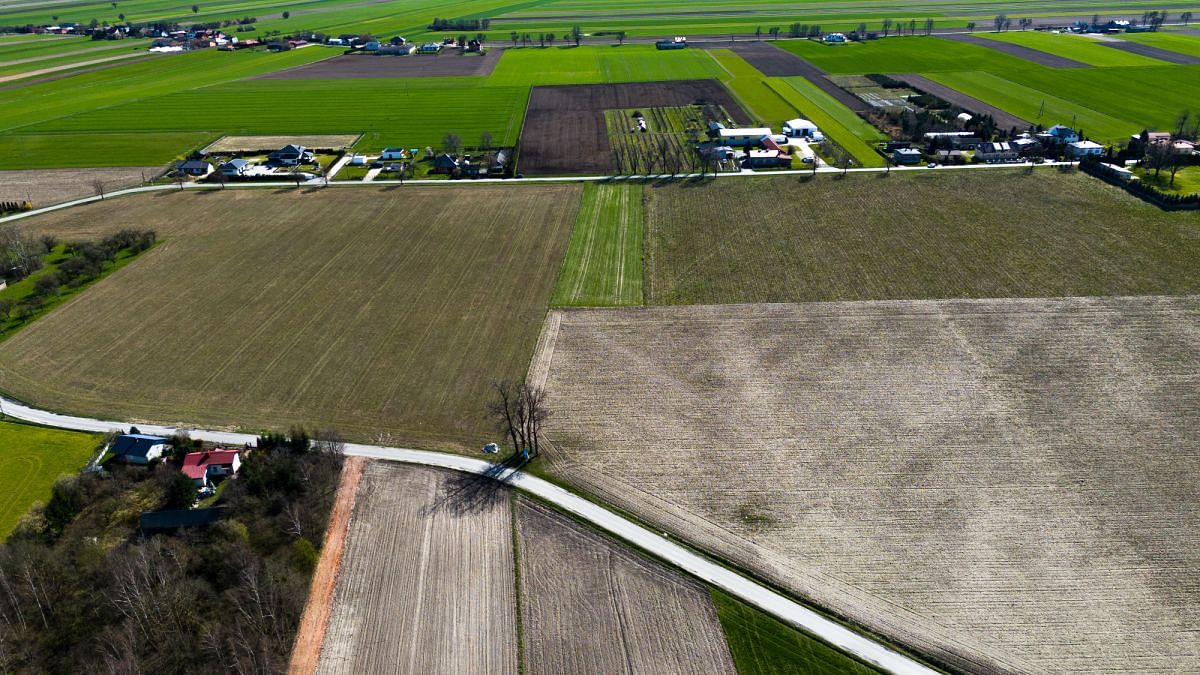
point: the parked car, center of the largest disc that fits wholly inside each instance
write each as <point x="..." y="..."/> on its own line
<point x="931" y="165"/>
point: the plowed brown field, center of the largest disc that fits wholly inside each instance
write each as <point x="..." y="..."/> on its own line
<point x="590" y="605"/>
<point x="426" y="584"/>
<point x="1003" y="484"/>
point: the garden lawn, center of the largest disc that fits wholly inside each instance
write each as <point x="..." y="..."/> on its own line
<point x="763" y="645"/>
<point x="32" y="458"/>
<point x="603" y="266"/>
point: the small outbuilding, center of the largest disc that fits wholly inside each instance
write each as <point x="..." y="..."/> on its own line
<point x="1085" y="148"/>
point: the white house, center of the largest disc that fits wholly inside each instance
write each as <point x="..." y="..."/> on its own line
<point x="745" y="136"/>
<point x="358" y="160"/>
<point x="802" y="128"/>
<point x="1085" y="148"/>
<point x="393" y="153"/>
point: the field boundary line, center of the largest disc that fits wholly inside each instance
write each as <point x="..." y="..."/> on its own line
<point x="310" y="637"/>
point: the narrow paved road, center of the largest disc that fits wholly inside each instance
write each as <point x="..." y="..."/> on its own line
<point x="746" y="589"/>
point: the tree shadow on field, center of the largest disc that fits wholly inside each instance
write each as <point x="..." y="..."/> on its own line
<point x="467" y="493"/>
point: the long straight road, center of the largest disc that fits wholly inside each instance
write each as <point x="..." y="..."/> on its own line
<point x="657" y="544"/>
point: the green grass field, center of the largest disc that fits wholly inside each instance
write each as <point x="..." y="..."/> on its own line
<point x="1078" y="47"/>
<point x="32" y="458"/>
<point x="763" y="645"/>
<point x="603" y="266"/>
<point x="902" y="55"/>
<point x="950" y="234"/>
<point x="1175" y="42"/>
<point x="532" y="66"/>
<point x="762" y="102"/>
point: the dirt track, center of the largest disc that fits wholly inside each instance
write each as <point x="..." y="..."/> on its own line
<point x="590" y="605"/>
<point x="975" y="106"/>
<point x="1152" y="52"/>
<point x="311" y="634"/>
<point x="1020" y="51"/>
<point x="1008" y="485"/>
<point x="774" y="62"/>
<point x="564" y="130"/>
<point x="427" y="580"/>
<point x="357" y="66"/>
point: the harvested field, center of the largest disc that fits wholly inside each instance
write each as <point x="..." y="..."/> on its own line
<point x="565" y="133"/>
<point x="261" y="143"/>
<point x="45" y="187"/>
<point x="1152" y="52"/>
<point x="426" y="584"/>
<point x="774" y="62"/>
<point x="353" y="66"/>
<point x="977" y="234"/>
<point x="1007" y="485"/>
<point x="1003" y="119"/>
<point x="590" y="605"/>
<point x="1020" y="51"/>
<point x="375" y="312"/>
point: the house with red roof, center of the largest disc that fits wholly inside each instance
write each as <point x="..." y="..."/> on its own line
<point x="209" y="467"/>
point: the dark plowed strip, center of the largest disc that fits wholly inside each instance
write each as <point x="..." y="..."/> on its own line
<point x="973" y="105"/>
<point x="1036" y="55"/>
<point x="1153" y="52"/>
<point x="355" y="66"/>
<point x="564" y="130"/>
<point x="774" y="62"/>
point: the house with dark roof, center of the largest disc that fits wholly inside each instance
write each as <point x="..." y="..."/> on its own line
<point x="290" y="155"/>
<point x="445" y="163"/>
<point x="209" y="467"/>
<point x="138" y="448"/>
<point x="194" y="167"/>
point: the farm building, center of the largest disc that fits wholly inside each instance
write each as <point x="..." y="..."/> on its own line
<point x="194" y="167"/>
<point x="1085" y="148"/>
<point x="138" y="448"/>
<point x="671" y="44"/>
<point x="213" y="466"/>
<point x="834" y="38"/>
<point x="393" y="153"/>
<point x="396" y="50"/>
<point x="767" y="159"/>
<point x="906" y="156"/>
<point x="445" y="163"/>
<point x="429" y="48"/>
<point x="740" y="137"/>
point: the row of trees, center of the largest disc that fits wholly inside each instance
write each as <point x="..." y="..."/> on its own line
<point x="13" y="207"/>
<point x="459" y="24"/>
<point x="544" y="39"/>
<point x="81" y="590"/>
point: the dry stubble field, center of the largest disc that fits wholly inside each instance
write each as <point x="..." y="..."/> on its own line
<point x="375" y="312"/>
<point x="590" y="605"/>
<point x="426" y="583"/>
<point x="1004" y="484"/>
<point x="44" y="187"/>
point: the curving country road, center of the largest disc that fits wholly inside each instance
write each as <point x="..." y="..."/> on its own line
<point x="748" y="590"/>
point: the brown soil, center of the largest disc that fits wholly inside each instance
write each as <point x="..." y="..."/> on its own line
<point x="564" y="131"/>
<point x="1153" y="52"/>
<point x="1020" y="51"/>
<point x="973" y="105"/>
<point x="46" y="187"/>
<point x="355" y="66"/>
<point x="311" y="635"/>
<point x="774" y="62"/>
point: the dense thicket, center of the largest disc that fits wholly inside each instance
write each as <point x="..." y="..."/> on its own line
<point x="81" y="590"/>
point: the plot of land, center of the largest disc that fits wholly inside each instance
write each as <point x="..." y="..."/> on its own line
<point x="1020" y="51"/>
<point x="426" y="584"/>
<point x="54" y="186"/>
<point x="589" y="605"/>
<point x="604" y="261"/>
<point x="943" y="235"/>
<point x="31" y="459"/>
<point x="1008" y="485"/>
<point x="261" y="143"/>
<point x="371" y="311"/>
<point x="1153" y="52"/>
<point x="564" y="130"/>
<point x="415" y="65"/>
<point x="1004" y="120"/>
<point x="775" y="62"/>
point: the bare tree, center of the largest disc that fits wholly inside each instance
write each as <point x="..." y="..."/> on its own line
<point x="329" y="442"/>
<point x="520" y="410"/>
<point x="887" y="27"/>
<point x="451" y="143"/>
<point x="485" y="140"/>
<point x="98" y="187"/>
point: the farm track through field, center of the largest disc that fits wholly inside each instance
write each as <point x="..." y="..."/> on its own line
<point x="774" y="62"/>
<point x="1029" y="54"/>
<point x="972" y="478"/>
<point x="1004" y="120"/>
<point x="1152" y="52"/>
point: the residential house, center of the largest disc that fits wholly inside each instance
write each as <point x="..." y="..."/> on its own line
<point x="997" y="152"/>
<point x="742" y="137"/>
<point x="445" y="163"/>
<point x="396" y="50"/>
<point x="207" y="468"/>
<point x="1060" y="135"/>
<point x="906" y="156"/>
<point x="1026" y="145"/>
<point x="290" y="155"/>
<point x="396" y="41"/>
<point x="951" y="156"/>
<point x="194" y="167"/>
<point x="138" y="448"/>
<point x="1183" y="147"/>
<point x="1080" y="149"/>
<point x="767" y="159"/>
<point x="235" y="168"/>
